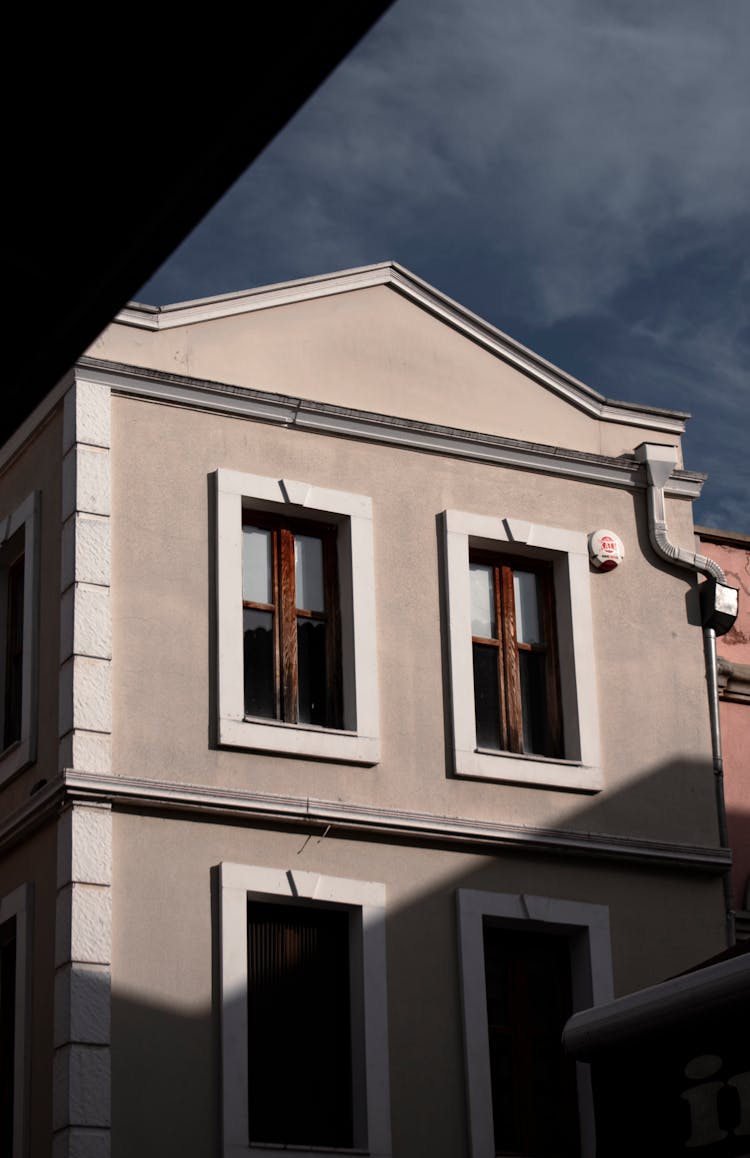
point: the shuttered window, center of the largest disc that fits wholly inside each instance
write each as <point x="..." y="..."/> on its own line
<point x="299" y="1026"/>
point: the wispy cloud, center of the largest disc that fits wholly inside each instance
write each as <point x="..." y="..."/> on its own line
<point x="548" y="163"/>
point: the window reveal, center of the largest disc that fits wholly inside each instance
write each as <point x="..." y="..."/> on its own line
<point x="7" y="1032"/>
<point x="528" y="986"/>
<point x="516" y="678"/>
<point x="299" y="1006"/>
<point x="290" y="627"/>
<point x="12" y="697"/>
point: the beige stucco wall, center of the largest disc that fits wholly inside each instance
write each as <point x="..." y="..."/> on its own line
<point x="34" y="862"/>
<point x="375" y="350"/>
<point x="38" y="467"/>
<point x="165" y="1044"/>
<point x="656" y="750"/>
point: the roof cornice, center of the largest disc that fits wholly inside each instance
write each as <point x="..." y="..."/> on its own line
<point x="326" y="418"/>
<point x="416" y="290"/>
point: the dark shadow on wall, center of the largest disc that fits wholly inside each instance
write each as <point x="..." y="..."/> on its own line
<point x="665" y="917"/>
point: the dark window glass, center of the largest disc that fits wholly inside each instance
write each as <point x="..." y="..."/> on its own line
<point x="536" y="732"/>
<point x="299" y="1026"/>
<point x="260" y="692"/>
<point x="7" y="1032"/>
<point x="313" y="689"/>
<point x="533" y="1082"/>
<point x="486" y="693"/>
<point x="13" y="653"/>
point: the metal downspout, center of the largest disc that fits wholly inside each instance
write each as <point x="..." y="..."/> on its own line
<point x="660" y="461"/>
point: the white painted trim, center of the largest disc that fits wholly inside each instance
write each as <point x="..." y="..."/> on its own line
<point x="19" y="904"/>
<point x="587" y="928"/>
<point x="218" y="397"/>
<point x="23" y="752"/>
<point x="420" y="293"/>
<point x="568" y="551"/>
<point x="358" y="742"/>
<point x="82" y="994"/>
<point x="366" y="903"/>
<point x="377" y="819"/>
<point x="85" y="682"/>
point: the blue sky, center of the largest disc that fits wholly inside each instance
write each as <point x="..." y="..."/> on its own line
<point x="577" y="172"/>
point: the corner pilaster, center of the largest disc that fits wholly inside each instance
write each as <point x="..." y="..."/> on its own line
<point x="83" y="934"/>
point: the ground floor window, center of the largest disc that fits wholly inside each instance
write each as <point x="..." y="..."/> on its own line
<point x="15" y="992"/>
<point x="299" y="1000"/>
<point x="528" y="990"/>
<point x="527" y="963"/>
<point x="304" y="1036"/>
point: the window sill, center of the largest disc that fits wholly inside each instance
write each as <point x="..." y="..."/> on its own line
<point x="299" y="740"/>
<point x="519" y="768"/>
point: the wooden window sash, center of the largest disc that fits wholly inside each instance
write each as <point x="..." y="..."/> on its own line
<point x="508" y="648"/>
<point x="286" y="613"/>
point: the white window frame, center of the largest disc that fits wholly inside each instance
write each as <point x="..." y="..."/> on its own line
<point x="18" y="904"/>
<point x="365" y="901"/>
<point x="580" y="769"/>
<point x="587" y="928"/>
<point x="22" y="752"/>
<point x="358" y="741"/>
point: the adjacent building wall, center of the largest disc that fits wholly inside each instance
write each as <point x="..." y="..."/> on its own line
<point x="732" y="553"/>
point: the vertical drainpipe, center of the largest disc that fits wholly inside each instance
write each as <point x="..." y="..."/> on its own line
<point x="660" y="461"/>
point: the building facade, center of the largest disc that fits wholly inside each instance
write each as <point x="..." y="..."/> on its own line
<point x="335" y="773"/>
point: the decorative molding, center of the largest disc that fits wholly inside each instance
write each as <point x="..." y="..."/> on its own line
<point x="83" y="934"/>
<point x="326" y="418"/>
<point x="85" y="712"/>
<point x="734" y="680"/>
<point x="82" y="1001"/>
<point x="379" y="820"/>
<point x="430" y="299"/>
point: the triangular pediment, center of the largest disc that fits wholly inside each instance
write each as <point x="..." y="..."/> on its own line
<point x="380" y="339"/>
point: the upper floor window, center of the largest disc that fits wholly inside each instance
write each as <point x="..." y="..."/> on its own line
<point x="13" y="580"/>
<point x="18" y="624"/>
<point x="289" y="612"/>
<point x="520" y="632"/>
<point x="296" y="635"/>
<point x="516" y="698"/>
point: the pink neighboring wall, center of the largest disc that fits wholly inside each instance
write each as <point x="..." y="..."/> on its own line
<point x="732" y="553"/>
